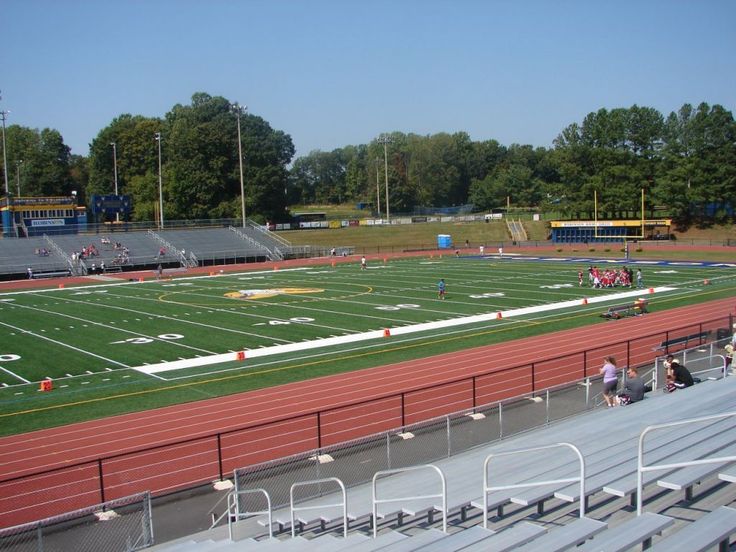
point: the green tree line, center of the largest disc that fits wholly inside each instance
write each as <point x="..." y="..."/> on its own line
<point x="685" y="163"/>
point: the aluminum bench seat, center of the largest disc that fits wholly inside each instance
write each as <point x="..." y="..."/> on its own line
<point x="714" y="528"/>
<point x="638" y="530"/>
<point x="565" y="537"/>
<point x="509" y="539"/>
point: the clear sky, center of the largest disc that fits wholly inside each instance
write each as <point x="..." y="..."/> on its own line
<point x="336" y="72"/>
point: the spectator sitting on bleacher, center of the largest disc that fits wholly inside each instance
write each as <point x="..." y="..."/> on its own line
<point x="633" y="390"/>
<point x="681" y="376"/>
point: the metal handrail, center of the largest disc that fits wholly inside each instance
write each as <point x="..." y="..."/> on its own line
<point x="272" y="235"/>
<point x="580" y="478"/>
<point x="641" y="468"/>
<point x="344" y="502"/>
<point x="273" y="252"/>
<point x="442" y="495"/>
<point x="233" y="510"/>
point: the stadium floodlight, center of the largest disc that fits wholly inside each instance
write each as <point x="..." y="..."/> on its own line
<point x="157" y="137"/>
<point x="18" y="163"/>
<point x="385" y="140"/>
<point x="378" y="189"/>
<point x="4" y="116"/>
<point x="239" y="110"/>
<point x="115" y="167"/>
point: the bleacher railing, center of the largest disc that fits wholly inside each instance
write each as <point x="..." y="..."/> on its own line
<point x="506" y="401"/>
<point x="487" y="488"/>
<point x="642" y="468"/>
<point x="343" y="504"/>
<point x="442" y="495"/>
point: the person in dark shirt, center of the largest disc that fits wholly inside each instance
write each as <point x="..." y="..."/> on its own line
<point x="682" y="375"/>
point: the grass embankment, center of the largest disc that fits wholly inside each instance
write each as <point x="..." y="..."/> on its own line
<point x="395" y="239"/>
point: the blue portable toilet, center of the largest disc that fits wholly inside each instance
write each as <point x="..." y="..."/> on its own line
<point x="444" y="241"/>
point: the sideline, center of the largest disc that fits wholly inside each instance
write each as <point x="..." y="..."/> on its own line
<point x="241" y="356"/>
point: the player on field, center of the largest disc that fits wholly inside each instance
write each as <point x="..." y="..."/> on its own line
<point x="441" y="289"/>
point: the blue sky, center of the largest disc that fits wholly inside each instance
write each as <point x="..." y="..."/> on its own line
<point x="333" y="73"/>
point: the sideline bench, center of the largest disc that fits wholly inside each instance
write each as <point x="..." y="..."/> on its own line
<point x="683" y="341"/>
<point x="50" y="274"/>
<point x="615" y="312"/>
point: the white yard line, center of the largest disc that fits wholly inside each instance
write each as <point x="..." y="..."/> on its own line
<point x="403" y="330"/>
<point x="62" y="344"/>
<point x="14" y="375"/>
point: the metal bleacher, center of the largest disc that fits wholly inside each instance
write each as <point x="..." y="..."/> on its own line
<point x="211" y="244"/>
<point x="545" y="509"/>
<point x="142" y="250"/>
<point x="16" y="255"/>
<point x="203" y="246"/>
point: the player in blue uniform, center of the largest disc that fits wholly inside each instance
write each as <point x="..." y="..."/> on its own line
<point x="441" y="289"/>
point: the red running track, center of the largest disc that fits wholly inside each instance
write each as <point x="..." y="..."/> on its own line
<point x="247" y="428"/>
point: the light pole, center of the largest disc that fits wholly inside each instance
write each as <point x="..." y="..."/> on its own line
<point x="238" y="110"/>
<point x="18" y="163"/>
<point x="157" y="136"/>
<point x="115" y="166"/>
<point x="385" y="140"/>
<point x="3" y="116"/>
<point x="378" y="188"/>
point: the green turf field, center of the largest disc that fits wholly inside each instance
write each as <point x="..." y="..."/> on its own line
<point x="98" y="343"/>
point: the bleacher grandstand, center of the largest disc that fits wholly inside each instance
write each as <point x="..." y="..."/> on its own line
<point x="143" y="250"/>
<point x="658" y="472"/>
<point x="534" y="497"/>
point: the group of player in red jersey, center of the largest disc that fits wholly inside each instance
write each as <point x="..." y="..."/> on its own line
<point x="607" y="278"/>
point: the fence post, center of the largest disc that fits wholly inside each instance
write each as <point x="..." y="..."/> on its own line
<point x="403" y="411"/>
<point x="534" y="378"/>
<point x="219" y="455"/>
<point x="319" y="429"/>
<point x="449" y="437"/>
<point x="388" y="450"/>
<point x="102" y="482"/>
<point x="500" y="420"/>
<point x="475" y="402"/>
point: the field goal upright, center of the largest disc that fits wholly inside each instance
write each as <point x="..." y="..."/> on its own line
<point x="624" y="225"/>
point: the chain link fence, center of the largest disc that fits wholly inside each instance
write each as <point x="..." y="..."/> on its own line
<point x="121" y="525"/>
<point x="354" y="462"/>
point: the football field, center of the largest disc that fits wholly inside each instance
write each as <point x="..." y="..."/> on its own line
<point x="102" y="339"/>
